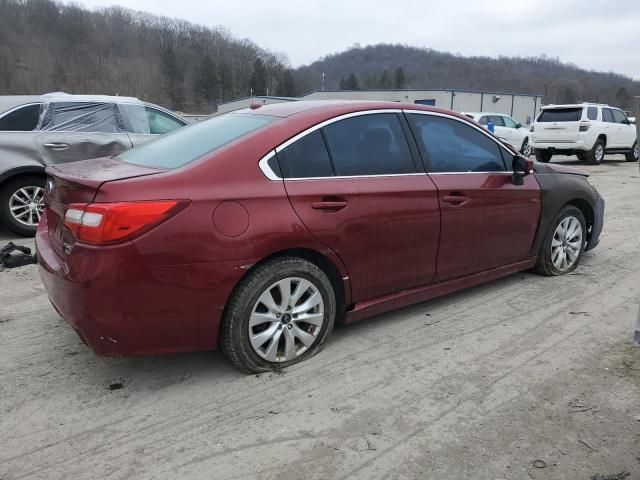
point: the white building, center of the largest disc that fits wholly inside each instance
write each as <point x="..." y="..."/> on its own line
<point x="522" y="107"/>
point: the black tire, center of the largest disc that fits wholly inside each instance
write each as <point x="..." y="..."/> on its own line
<point x="6" y="191"/>
<point x="581" y="156"/>
<point x="542" y="156"/>
<point x="525" y="146"/>
<point x="544" y="264"/>
<point x="593" y="156"/>
<point x="632" y="156"/>
<point x="235" y="341"/>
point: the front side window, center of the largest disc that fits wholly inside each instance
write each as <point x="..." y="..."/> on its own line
<point x="80" y="117"/>
<point x="372" y="144"/>
<point x="510" y="122"/>
<point x="307" y="157"/>
<point x="592" y="113"/>
<point x="160" y="122"/>
<point x="449" y="145"/>
<point x="23" y="119"/>
<point x="187" y="144"/>
<point x="619" y="117"/>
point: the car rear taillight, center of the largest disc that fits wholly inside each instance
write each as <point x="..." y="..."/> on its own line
<point x="584" y="126"/>
<point x="108" y="223"/>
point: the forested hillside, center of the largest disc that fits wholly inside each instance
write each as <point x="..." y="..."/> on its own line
<point x="47" y="46"/>
<point x="400" y="66"/>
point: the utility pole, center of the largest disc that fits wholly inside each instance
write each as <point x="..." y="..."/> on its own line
<point x="323" y="81"/>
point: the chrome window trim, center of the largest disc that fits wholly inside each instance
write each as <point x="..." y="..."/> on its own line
<point x="271" y="175"/>
<point x="4" y="114"/>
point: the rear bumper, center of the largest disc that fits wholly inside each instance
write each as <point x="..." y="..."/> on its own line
<point x="122" y="306"/>
<point x="598" y="224"/>
<point x="561" y="147"/>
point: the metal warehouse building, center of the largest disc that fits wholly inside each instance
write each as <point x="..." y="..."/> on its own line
<point x="522" y="107"/>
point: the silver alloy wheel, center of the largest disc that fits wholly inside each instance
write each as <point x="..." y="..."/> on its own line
<point x="599" y="152"/>
<point x="526" y="151"/>
<point x="286" y="319"/>
<point x="636" y="151"/>
<point x="27" y="204"/>
<point x="566" y="243"/>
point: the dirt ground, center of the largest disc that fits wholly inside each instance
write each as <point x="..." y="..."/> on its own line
<point x="525" y="377"/>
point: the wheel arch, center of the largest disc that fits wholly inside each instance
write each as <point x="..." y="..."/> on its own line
<point x="25" y="171"/>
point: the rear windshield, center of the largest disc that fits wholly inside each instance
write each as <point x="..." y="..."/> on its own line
<point x="561" y="115"/>
<point x="187" y="144"/>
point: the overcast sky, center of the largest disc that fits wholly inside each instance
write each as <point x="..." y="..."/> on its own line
<point x="594" y="34"/>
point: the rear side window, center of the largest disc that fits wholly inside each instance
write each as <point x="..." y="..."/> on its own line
<point x="451" y="146"/>
<point x="497" y="120"/>
<point x="24" y="119"/>
<point x="187" y="144"/>
<point x="81" y="117"/>
<point x="592" y="113"/>
<point x="307" y="157"/>
<point x="372" y="144"/>
<point x="607" y="116"/>
<point x="561" y="115"/>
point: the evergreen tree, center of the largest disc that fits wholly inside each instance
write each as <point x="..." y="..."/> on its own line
<point x="206" y="84"/>
<point x="287" y="85"/>
<point x="399" y="80"/>
<point x="258" y="82"/>
<point x="385" y="81"/>
<point x="226" y="81"/>
<point x="174" y="77"/>
<point x="350" y="83"/>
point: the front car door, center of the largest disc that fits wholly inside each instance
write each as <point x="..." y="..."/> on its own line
<point x="626" y="132"/>
<point x="487" y="221"/>
<point x="359" y="189"/>
<point x="516" y="133"/>
<point x="71" y="131"/>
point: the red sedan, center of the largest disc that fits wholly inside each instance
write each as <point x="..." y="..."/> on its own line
<point x="257" y="230"/>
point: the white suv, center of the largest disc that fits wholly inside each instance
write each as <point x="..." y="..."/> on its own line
<point x="587" y="130"/>
<point x="506" y="128"/>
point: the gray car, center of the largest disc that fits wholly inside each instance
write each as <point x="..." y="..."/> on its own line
<point x="37" y="131"/>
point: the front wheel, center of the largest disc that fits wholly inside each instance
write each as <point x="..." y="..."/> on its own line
<point x="633" y="155"/>
<point x="280" y="314"/>
<point x="22" y="204"/>
<point x="526" y="148"/>
<point x="564" y="243"/>
<point x="542" y="155"/>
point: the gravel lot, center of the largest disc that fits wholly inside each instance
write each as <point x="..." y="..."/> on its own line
<point x="525" y="377"/>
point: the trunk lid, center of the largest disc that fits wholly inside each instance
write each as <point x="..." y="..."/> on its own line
<point x="78" y="182"/>
<point x="558" y="125"/>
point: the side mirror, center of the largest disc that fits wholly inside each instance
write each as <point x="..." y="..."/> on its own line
<point x="521" y="168"/>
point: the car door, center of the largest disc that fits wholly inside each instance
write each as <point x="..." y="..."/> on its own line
<point x="71" y="131"/>
<point x="486" y="220"/>
<point x="156" y="122"/>
<point x="611" y="128"/>
<point x="17" y="140"/>
<point x="626" y="132"/>
<point x="359" y="189"/>
<point x="516" y="133"/>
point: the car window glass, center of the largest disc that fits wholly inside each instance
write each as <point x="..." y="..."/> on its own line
<point x="497" y="120"/>
<point x="619" y="117"/>
<point x="592" y="113"/>
<point x="187" y="144"/>
<point x="307" y="157"/>
<point x="80" y="117"/>
<point x="510" y="122"/>
<point x="483" y="120"/>
<point x="24" y="119"/>
<point x="607" y="116"/>
<point x="561" y="115"/>
<point x="372" y="144"/>
<point x="451" y="146"/>
<point x="160" y="122"/>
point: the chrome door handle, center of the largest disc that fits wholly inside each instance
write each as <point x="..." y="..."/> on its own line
<point x="57" y="146"/>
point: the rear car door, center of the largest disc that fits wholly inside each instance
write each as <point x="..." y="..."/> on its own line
<point x="487" y="221"/>
<point x="360" y="190"/>
<point x="71" y="131"/>
<point x="611" y="129"/>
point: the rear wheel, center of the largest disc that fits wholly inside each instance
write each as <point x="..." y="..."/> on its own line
<point x="22" y="204"/>
<point x="280" y="314"/>
<point x="542" y="155"/>
<point x="596" y="154"/>
<point x="564" y="243"/>
<point x="633" y="155"/>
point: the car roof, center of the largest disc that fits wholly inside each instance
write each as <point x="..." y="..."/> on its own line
<point x="577" y="105"/>
<point x="331" y="108"/>
<point x="486" y="113"/>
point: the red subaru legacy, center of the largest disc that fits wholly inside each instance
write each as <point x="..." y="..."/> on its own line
<point x="257" y="230"/>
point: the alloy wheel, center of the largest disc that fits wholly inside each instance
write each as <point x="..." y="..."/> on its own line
<point x="27" y="204"/>
<point x="599" y="152"/>
<point x="527" y="150"/>
<point x="286" y="319"/>
<point x="636" y="151"/>
<point x="566" y="243"/>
